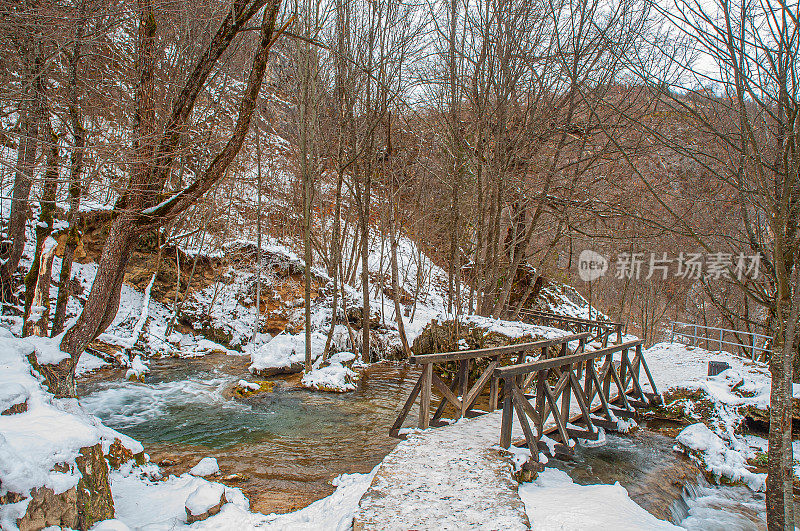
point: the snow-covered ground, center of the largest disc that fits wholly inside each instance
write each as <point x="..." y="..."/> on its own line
<point x="49" y="432"/>
<point x="52" y="431"/>
<point x="554" y="501"/>
<point x="715" y="444"/>
<point x="156" y="505"/>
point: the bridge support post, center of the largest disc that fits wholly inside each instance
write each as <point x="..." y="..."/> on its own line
<point x="425" y="396"/>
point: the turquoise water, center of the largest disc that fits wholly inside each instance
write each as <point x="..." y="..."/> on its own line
<point x="289" y="443"/>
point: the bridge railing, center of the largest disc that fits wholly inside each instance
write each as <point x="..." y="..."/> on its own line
<point x="744" y="342"/>
<point x="459" y="393"/>
<point x="601" y="330"/>
<point x="555" y="382"/>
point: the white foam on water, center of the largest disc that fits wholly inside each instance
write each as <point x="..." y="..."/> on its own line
<point x="715" y="508"/>
<point x="127" y="404"/>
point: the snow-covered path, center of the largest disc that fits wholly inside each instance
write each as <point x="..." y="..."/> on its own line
<point x="454" y="477"/>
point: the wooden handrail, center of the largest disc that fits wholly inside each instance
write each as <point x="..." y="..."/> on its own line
<point x="553" y="397"/>
<point x="489" y="352"/>
<point x="581" y="320"/>
<point x="541" y="365"/>
<point x="459" y="393"/>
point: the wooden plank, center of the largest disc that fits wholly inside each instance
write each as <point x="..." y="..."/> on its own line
<point x="576" y="386"/>
<point x="473" y="393"/>
<point x="522" y="368"/>
<point x="494" y="392"/>
<point x="562" y="430"/>
<point x="425" y="396"/>
<point x="608" y="425"/>
<point x="393" y="431"/>
<point x="541" y="381"/>
<point x="443" y="403"/>
<point x="523" y="418"/>
<point x="563" y="318"/>
<point x="621" y="388"/>
<point x="528" y="408"/>
<point x="491" y="351"/>
<point x="589" y="435"/>
<point x="445" y="391"/>
<point x="634" y="377"/>
<point x="647" y="371"/>
<point x="603" y="398"/>
<point x="508" y="419"/>
<point x="463" y="382"/>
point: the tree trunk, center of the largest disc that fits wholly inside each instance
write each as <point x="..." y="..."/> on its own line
<point x="103" y="301"/>
<point x="32" y="120"/>
<point x="37" y="281"/>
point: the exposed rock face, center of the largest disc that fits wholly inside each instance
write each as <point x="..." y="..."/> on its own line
<point x="49" y="509"/>
<point x="77" y="508"/>
<point x="94" y="488"/>
<point x="294" y="368"/>
<point x="59" y="378"/>
<point x="118" y="454"/>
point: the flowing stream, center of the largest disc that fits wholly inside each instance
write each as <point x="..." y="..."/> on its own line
<point x="289" y="443"/>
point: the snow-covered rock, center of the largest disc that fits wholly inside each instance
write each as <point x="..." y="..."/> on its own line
<point x="554" y="501"/>
<point x="207" y="466"/>
<point x="334" y="377"/>
<point x="137" y="369"/>
<point x="205" y="501"/>
<point x="285" y="353"/>
<point x="717" y="458"/>
<point x="39" y="446"/>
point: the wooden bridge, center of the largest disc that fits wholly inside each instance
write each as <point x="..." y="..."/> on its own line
<point x="566" y="393"/>
<point x="601" y="331"/>
<point x="456" y="476"/>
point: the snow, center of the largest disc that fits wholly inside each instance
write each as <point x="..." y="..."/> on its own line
<point x="333" y="377"/>
<point x="716" y="446"/>
<point x="51" y="432"/>
<point x="554" y="501"/>
<point x="160" y="505"/>
<point x="48" y="351"/>
<point x="718" y="458"/>
<point x="679" y="365"/>
<point x="455" y="472"/>
<point x="512" y="329"/>
<point x="206" y="467"/>
<point x="88" y="363"/>
<point x="12" y="394"/>
<point x="137" y="369"/>
<point x="286" y="350"/>
<point x="244" y="384"/>
<point x="204" y="498"/>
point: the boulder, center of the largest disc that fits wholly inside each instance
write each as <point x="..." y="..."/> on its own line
<point x="207" y="500"/>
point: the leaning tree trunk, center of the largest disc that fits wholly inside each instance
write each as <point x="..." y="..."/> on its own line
<point x="137" y="209"/>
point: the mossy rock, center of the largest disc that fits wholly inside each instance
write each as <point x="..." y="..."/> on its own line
<point x="264" y="386"/>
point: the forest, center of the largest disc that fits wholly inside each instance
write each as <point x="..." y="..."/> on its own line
<point x="232" y="231"/>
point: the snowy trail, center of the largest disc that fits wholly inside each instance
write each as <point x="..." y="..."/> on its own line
<point x="454" y="477"/>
